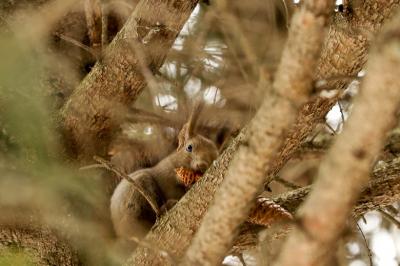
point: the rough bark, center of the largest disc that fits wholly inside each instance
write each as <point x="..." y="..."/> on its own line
<point x="345" y="169"/>
<point x="344" y="55"/>
<point x="382" y="191"/>
<point x="42" y="245"/>
<point x="174" y="231"/>
<point x="90" y="116"/>
<point x="291" y="88"/>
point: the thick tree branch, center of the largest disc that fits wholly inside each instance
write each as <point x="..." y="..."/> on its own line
<point x="344" y="54"/>
<point x="382" y="191"/>
<point x="42" y="244"/>
<point x="91" y="114"/>
<point x="345" y="169"/>
<point x="245" y="176"/>
<point x="175" y="230"/>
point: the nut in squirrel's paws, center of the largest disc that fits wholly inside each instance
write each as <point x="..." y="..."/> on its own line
<point x="187" y="176"/>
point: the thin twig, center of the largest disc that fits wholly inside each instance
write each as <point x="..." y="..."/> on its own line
<point x="109" y="166"/>
<point x="76" y="43"/>
<point x="92" y="166"/>
<point x="330" y="128"/>
<point x="366" y="245"/>
<point x="341" y="115"/>
<point x="392" y="210"/>
<point x="140" y="115"/>
<point x="286" y="183"/>
<point x="390" y="218"/>
<point x="286" y="14"/>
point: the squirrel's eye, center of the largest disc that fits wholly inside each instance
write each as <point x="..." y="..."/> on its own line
<point x="189" y="148"/>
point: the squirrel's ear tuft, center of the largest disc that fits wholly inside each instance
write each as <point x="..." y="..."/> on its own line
<point x="189" y="128"/>
<point x="194" y="117"/>
<point x="182" y="136"/>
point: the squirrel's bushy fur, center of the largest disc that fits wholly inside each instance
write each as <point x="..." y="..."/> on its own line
<point x="131" y="214"/>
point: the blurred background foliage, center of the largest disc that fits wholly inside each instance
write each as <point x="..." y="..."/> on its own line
<point x="224" y="54"/>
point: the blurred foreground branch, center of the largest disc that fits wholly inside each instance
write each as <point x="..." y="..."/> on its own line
<point x="92" y="113"/>
<point x="382" y="190"/>
<point x="245" y="176"/>
<point x="344" y="170"/>
<point x="344" y="54"/>
<point x="175" y="230"/>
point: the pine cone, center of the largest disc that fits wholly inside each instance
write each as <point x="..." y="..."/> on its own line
<point x="267" y="212"/>
<point x="187" y="176"/>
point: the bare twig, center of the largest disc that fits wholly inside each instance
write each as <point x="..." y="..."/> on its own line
<point x="109" y="166"/>
<point x="390" y="218"/>
<point x="330" y="128"/>
<point x="369" y="254"/>
<point x="341" y="115"/>
<point x="286" y="183"/>
<point x="77" y="43"/>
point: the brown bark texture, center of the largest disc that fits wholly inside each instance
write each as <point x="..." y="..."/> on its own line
<point x="383" y="190"/>
<point x="41" y="244"/>
<point x="344" y="55"/>
<point x="344" y="170"/>
<point x="267" y="131"/>
<point x="91" y="115"/>
<point x="175" y="230"/>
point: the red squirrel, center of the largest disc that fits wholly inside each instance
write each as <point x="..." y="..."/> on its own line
<point x="131" y="213"/>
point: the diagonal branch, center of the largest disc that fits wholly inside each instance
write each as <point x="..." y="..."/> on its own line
<point x="344" y="171"/>
<point x="92" y="114"/>
<point x="245" y="176"/>
<point x="175" y="230"/>
<point x="382" y="191"/>
<point x="344" y="54"/>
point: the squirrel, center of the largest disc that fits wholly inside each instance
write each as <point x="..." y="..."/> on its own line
<point x="131" y="214"/>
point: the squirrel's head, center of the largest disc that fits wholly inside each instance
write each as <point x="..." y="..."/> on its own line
<point x="198" y="151"/>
